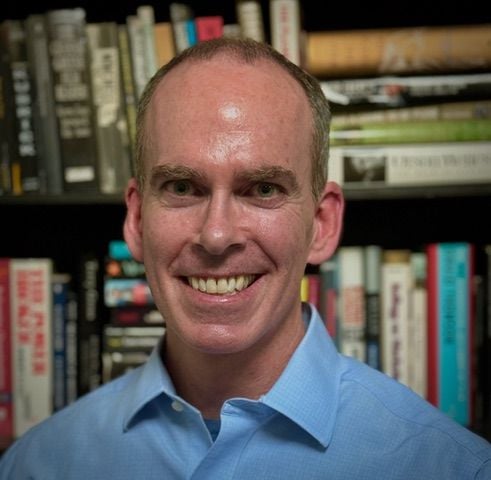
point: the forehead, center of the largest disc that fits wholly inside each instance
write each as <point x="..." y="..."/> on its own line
<point x="228" y="107"/>
<point x="229" y="90"/>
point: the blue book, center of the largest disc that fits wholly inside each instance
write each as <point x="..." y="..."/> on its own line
<point x="450" y="322"/>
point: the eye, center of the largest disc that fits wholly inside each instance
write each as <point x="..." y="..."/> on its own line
<point x="180" y="188"/>
<point x="266" y="190"/>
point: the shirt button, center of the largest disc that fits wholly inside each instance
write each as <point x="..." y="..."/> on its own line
<point x="177" y="406"/>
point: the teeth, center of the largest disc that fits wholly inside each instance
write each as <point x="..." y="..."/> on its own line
<point x="221" y="286"/>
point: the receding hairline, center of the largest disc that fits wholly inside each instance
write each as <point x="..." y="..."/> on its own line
<point x="246" y="52"/>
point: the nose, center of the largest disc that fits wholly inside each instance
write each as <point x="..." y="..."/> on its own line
<point x="221" y="229"/>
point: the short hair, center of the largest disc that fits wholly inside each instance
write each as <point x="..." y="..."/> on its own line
<point x="247" y="51"/>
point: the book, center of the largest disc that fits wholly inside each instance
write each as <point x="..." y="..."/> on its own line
<point x="45" y="123"/>
<point x="136" y="44"/>
<point x="285" y="28"/>
<point x="395" y="289"/>
<point x="24" y="158"/>
<point x="182" y="19"/>
<point x="405" y="91"/>
<point x="60" y="287"/>
<point x="146" y="15"/>
<point x="67" y="44"/>
<point x="372" y="257"/>
<point x="89" y="323"/>
<point x="125" y="348"/>
<point x="5" y="123"/>
<point x="208" y="27"/>
<point x="6" y="387"/>
<point x="438" y="163"/>
<point x="466" y="110"/>
<point x="250" y="18"/>
<point x="379" y="51"/>
<point x="450" y="328"/>
<point x="416" y="131"/>
<point x="128" y="85"/>
<point x="164" y="43"/>
<point x="418" y="325"/>
<point x="31" y="303"/>
<point x="111" y="130"/>
<point x="351" y="314"/>
<point x="329" y="294"/>
<point x="71" y="347"/>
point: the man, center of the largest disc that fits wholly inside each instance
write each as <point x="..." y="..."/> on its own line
<point x="229" y="203"/>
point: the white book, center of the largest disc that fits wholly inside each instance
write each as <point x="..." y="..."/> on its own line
<point x="418" y="325"/>
<point x="32" y="347"/>
<point x="352" y="315"/>
<point x="422" y="164"/>
<point x="396" y="288"/>
<point x="285" y="28"/>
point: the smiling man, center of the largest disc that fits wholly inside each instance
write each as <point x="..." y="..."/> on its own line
<point x="229" y="203"/>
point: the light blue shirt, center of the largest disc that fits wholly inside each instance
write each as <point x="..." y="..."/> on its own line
<point x="327" y="417"/>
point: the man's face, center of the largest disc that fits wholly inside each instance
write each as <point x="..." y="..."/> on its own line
<point x="227" y="214"/>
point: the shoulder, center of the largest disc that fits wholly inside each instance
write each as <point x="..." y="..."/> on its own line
<point x="392" y="414"/>
<point x="98" y="414"/>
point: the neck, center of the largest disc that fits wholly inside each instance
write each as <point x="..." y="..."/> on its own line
<point x="208" y="380"/>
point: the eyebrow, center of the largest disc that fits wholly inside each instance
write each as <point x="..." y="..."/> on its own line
<point x="273" y="173"/>
<point x="261" y="174"/>
<point x="171" y="172"/>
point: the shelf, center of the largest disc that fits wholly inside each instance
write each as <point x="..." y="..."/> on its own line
<point x="420" y="192"/>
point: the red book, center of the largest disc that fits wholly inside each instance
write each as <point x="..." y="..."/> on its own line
<point x="6" y="414"/>
<point x="208" y="27"/>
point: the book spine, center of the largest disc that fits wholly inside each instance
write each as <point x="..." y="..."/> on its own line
<point x="32" y="360"/>
<point x="372" y="280"/>
<point x="180" y="15"/>
<point x="406" y="91"/>
<point x="71" y="343"/>
<point x="439" y="163"/>
<point x="469" y="110"/>
<point x="285" y="28"/>
<point x="60" y="285"/>
<point x="146" y="14"/>
<point x="11" y="169"/>
<point x="417" y="327"/>
<point x="329" y="296"/>
<point x="420" y="131"/>
<point x="398" y="50"/>
<point x="164" y="43"/>
<point x="111" y="132"/>
<point x="352" y="320"/>
<point x="89" y="325"/>
<point x="25" y="140"/>
<point x="6" y="391"/>
<point x="45" y="126"/>
<point x="208" y="27"/>
<point x="5" y="122"/>
<point x="396" y="286"/>
<point x="128" y="85"/>
<point x="72" y="95"/>
<point x="450" y="328"/>
<point x="250" y="19"/>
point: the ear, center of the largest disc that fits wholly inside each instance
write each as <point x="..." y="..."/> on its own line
<point x="328" y="224"/>
<point x="132" y="225"/>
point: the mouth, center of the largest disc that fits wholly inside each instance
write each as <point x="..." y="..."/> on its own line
<point x="222" y="285"/>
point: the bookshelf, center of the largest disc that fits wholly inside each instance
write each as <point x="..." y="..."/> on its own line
<point x="64" y="226"/>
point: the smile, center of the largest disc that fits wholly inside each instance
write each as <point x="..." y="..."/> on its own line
<point x="221" y="286"/>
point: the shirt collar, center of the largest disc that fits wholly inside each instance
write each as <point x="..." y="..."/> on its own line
<point x="148" y="382"/>
<point x="306" y="392"/>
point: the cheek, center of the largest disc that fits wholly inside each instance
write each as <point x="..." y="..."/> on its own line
<point x="287" y="237"/>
